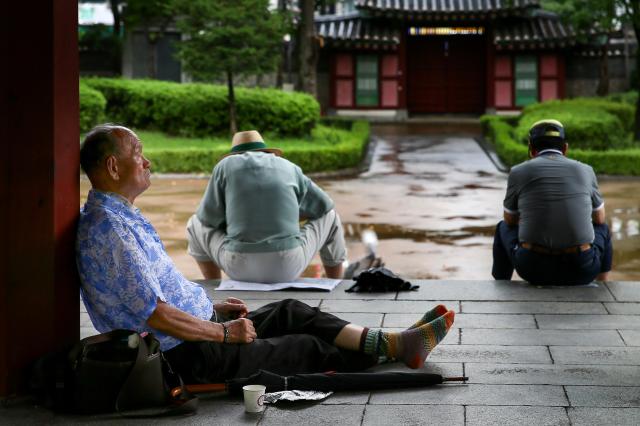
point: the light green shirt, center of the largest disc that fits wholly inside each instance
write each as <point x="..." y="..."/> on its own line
<point x="258" y="199"/>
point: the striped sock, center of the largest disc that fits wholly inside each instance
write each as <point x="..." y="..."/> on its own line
<point x="434" y="313"/>
<point x="410" y="346"/>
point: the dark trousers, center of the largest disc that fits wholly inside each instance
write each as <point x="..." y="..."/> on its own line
<point x="292" y="338"/>
<point x="546" y="269"/>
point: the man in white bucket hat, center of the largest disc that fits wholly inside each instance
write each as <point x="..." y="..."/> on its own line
<point x="247" y="223"/>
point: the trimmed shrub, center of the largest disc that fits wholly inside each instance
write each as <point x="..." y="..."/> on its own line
<point x="613" y="162"/>
<point x="339" y="149"/>
<point x="199" y="110"/>
<point x="630" y="98"/>
<point x="589" y="123"/>
<point x="92" y="107"/>
<point x="499" y="132"/>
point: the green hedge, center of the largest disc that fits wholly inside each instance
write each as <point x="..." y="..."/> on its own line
<point x="630" y="97"/>
<point x="92" y="107"/>
<point x="612" y="162"/>
<point x="200" y="110"/>
<point x="328" y="149"/>
<point x="590" y="123"/>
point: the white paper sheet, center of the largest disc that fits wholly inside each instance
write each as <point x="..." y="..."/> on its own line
<point x="325" y="284"/>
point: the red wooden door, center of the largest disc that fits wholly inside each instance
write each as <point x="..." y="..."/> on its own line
<point x="445" y="74"/>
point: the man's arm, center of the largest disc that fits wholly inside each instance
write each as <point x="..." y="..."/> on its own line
<point x="179" y="324"/>
<point x="511" y="219"/>
<point x="598" y="216"/>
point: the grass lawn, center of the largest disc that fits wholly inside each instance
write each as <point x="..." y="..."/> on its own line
<point x="328" y="148"/>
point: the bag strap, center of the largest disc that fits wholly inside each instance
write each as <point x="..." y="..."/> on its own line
<point x="184" y="404"/>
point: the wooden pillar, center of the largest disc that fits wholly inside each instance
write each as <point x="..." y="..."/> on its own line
<point x="39" y="185"/>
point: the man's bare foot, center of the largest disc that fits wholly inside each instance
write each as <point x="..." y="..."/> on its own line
<point x="603" y="276"/>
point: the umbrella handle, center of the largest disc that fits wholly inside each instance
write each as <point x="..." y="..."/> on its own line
<point x="203" y="388"/>
<point x="455" y="379"/>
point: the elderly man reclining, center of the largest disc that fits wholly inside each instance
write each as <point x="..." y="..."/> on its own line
<point x="129" y="281"/>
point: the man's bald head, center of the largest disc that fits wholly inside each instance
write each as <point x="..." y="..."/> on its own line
<point x="101" y="141"/>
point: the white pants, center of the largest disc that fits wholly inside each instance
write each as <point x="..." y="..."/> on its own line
<point x="324" y="234"/>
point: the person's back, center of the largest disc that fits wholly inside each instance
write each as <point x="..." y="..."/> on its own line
<point x="555" y="198"/>
<point x="263" y="195"/>
<point x="247" y="223"/>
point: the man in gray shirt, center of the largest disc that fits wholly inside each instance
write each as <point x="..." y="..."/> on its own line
<point x="554" y="229"/>
<point x="247" y="223"/>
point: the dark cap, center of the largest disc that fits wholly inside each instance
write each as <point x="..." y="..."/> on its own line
<point x="547" y="129"/>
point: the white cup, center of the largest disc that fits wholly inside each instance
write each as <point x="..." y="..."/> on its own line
<point x="254" y="398"/>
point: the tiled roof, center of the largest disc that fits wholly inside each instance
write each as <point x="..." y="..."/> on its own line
<point x="537" y="32"/>
<point x="354" y="30"/>
<point x="445" y="6"/>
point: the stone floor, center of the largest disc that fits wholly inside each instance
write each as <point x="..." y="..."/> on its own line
<point x="562" y="356"/>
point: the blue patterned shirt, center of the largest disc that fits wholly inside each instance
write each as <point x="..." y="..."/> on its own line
<point x="124" y="269"/>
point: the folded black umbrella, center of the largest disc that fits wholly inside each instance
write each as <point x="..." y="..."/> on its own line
<point x="326" y="382"/>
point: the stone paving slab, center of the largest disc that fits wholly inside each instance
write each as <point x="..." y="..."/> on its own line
<point x="625" y="291"/>
<point x="337" y="293"/>
<point x="309" y="414"/>
<point x="388" y="306"/>
<point x="623" y="308"/>
<point x="494" y="354"/>
<point x="516" y="416"/>
<point x="533" y="356"/>
<point x="536" y="308"/>
<point x="596" y="355"/>
<point x="526" y="337"/>
<point x="631" y="337"/>
<point x="465" y="321"/>
<point x="603" y="396"/>
<point x="593" y="322"/>
<point x="541" y="374"/>
<point x="385" y="415"/>
<point x="604" y="416"/>
<point x="505" y="291"/>
<point x="543" y="395"/>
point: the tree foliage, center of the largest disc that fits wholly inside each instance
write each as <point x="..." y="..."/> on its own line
<point x="593" y="21"/>
<point x="229" y="38"/>
<point x="241" y="36"/>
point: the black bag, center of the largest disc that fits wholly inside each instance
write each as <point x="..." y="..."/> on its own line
<point x="119" y="371"/>
<point x="379" y="280"/>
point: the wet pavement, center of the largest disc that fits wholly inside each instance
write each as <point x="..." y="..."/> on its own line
<point x="432" y="196"/>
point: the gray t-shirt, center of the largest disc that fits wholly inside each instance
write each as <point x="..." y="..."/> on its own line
<point x="258" y="199"/>
<point x="555" y="197"/>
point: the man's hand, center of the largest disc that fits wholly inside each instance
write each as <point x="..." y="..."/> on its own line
<point x="511" y="219"/>
<point x="231" y="308"/>
<point x="241" y="331"/>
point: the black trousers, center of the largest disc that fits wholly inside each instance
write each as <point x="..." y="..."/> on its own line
<point x="292" y="338"/>
<point x="542" y="269"/>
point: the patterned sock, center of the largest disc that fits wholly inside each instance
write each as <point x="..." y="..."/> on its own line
<point x="410" y="346"/>
<point x="434" y="313"/>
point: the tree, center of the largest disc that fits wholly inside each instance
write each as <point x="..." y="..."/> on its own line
<point x="631" y="10"/>
<point x="229" y="38"/>
<point x="308" y="48"/>
<point x="593" y="21"/>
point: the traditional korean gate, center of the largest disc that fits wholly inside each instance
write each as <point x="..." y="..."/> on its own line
<point x="446" y="74"/>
